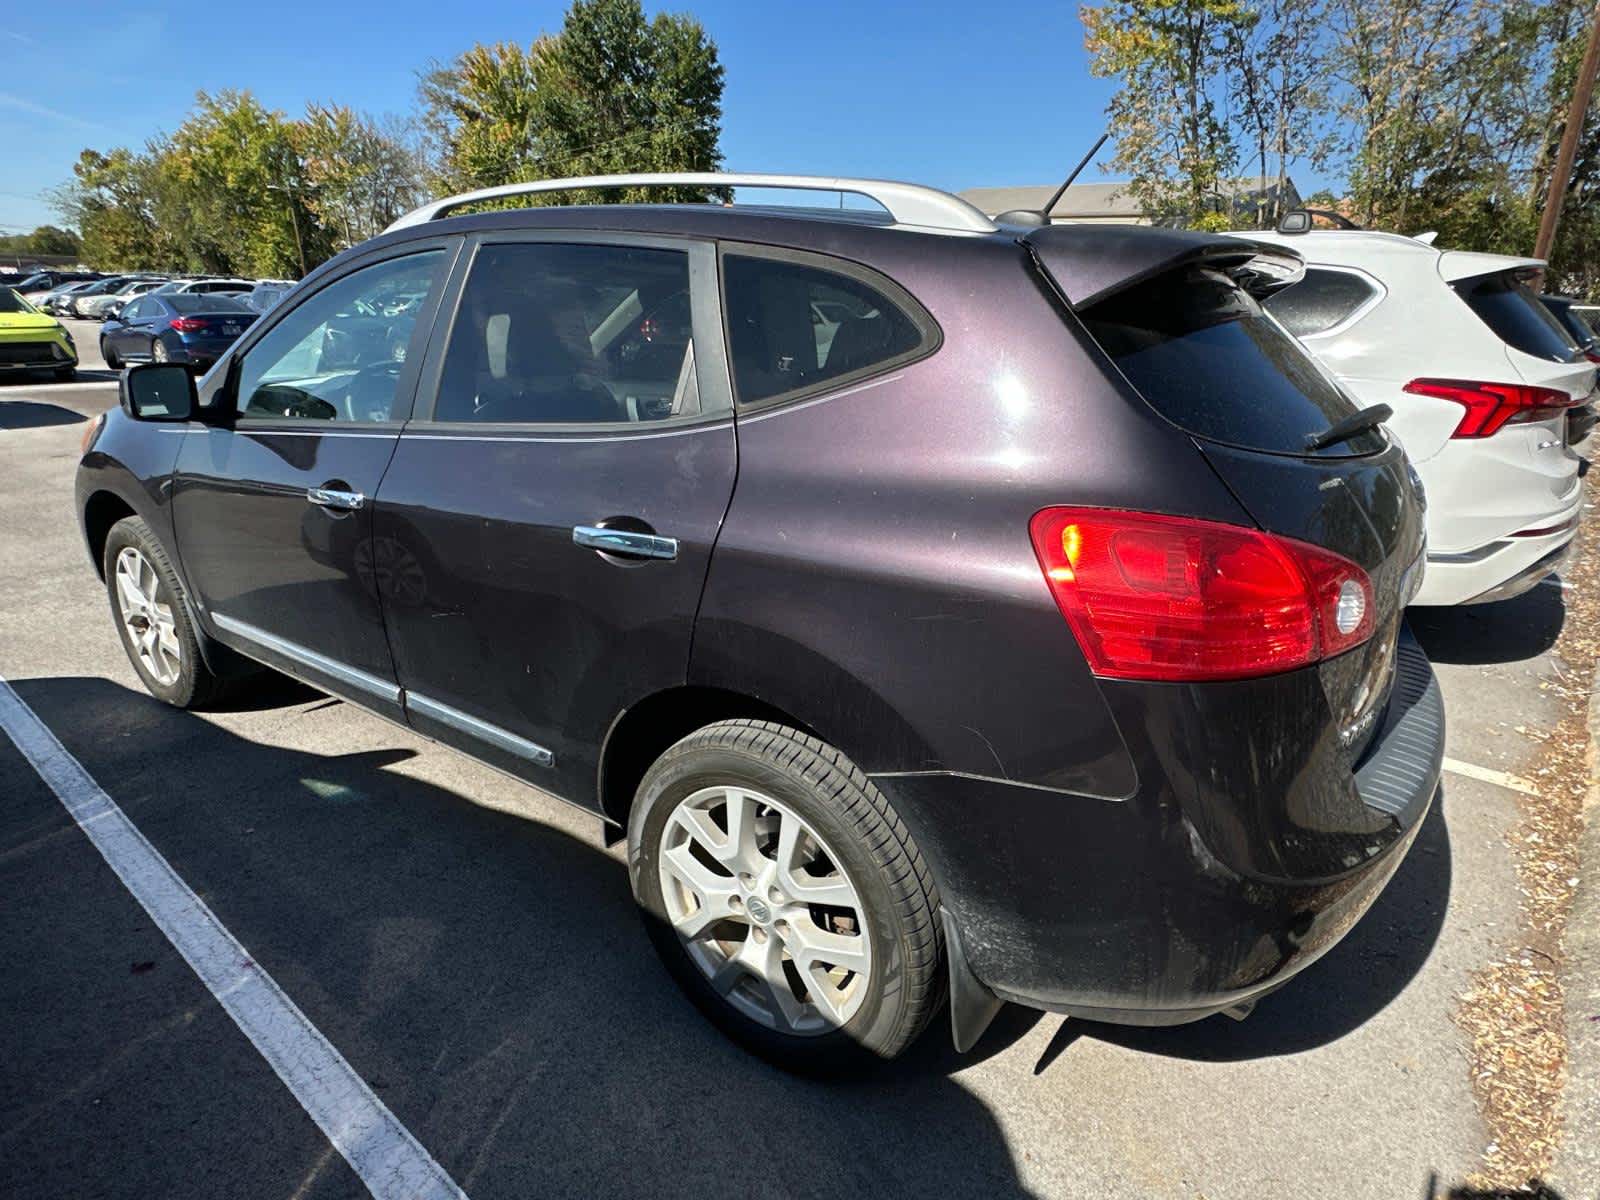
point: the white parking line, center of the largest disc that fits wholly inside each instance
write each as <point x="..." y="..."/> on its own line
<point x="391" y="1162"/>
<point x="1488" y="775"/>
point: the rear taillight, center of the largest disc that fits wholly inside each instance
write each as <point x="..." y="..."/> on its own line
<point x="1174" y="598"/>
<point x="1493" y="405"/>
<point x="188" y="324"/>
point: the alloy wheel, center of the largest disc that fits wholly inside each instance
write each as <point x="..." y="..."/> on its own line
<point x="146" y="614"/>
<point x="765" y="910"/>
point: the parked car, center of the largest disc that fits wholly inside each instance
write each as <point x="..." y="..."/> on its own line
<point x="10" y="279"/>
<point x="1568" y="312"/>
<point x="99" y="287"/>
<point x="1481" y="380"/>
<point x="209" y="284"/>
<point x="55" y="300"/>
<point x="106" y="304"/>
<point x="178" y="327"/>
<point x="1036" y="656"/>
<point x="267" y="292"/>
<point x="41" y="283"/>
<point x="31" y="341"/>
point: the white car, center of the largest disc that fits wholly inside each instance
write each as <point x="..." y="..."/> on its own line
<point x="97" y="308"/>
<point x="1481" y="380"/>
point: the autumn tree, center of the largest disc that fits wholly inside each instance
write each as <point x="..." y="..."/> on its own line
<point x="1167" y="114"/>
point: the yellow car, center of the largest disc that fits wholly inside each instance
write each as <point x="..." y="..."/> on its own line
<point x="31" y="341"/>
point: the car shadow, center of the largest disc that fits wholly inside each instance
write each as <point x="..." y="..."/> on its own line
<point x="28" y="414"/>
<point x="1479" y="634"/>
<point x="486" y="973"/>
<point x="1339" y="992"/>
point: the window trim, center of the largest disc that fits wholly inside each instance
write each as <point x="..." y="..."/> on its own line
<point x="1379" y="293"/>
<point x="710" y="353"/>
<point x="221" y="388"/>
<point x="931" y="340"/>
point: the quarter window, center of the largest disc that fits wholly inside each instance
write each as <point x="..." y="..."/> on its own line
<point x="338" y="356"/>
<point x="792" y="327"/>
<point x="561" y="333"/>
<point x="1321" y="300"/>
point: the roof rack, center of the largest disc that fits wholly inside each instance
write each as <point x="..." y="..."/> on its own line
<point x="907" y="203"/>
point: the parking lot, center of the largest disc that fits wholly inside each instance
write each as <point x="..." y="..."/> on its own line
<point x="468" y="945"/>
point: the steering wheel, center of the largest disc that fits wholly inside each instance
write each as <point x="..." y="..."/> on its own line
<point x="369" y="395"/>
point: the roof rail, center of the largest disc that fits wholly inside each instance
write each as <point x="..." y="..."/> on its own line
<point x="907" y="203"/>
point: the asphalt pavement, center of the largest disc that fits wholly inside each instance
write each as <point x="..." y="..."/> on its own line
<point x="468" y="945"/>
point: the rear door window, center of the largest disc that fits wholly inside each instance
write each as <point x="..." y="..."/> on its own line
<point x="559" y="333"/>
<point x="1322" y="299"/>
<point x="794" y="327"/>
<point x="1203" y="354"/>
<point x="1509" y="307"/>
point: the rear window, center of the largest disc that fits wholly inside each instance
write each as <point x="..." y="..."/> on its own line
<point x="794" y="327"/>
<point x="1321" y="300"/>
<point x="199" y="302"/>
<point x="1508" y="306"/>
<point x="1203" y="354"/>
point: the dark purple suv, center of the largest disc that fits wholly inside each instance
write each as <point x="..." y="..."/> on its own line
<point x="939" y="609"/>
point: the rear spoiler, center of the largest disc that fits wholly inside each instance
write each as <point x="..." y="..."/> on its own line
<point x="1457" y="265"/>
<point x="1092" y="262"/>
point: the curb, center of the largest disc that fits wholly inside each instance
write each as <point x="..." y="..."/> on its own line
<point x="1576" y="1169"/>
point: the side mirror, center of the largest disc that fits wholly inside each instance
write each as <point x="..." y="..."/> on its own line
<point x="158" y="392"/>
<point x="1296" y="220"/>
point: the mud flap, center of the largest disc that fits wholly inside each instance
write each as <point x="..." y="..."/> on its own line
<point x="972" y="1006"/>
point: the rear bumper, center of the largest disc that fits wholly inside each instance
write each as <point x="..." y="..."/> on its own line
<point x="1160" y="909"/>
<point x="1499" y="570"/>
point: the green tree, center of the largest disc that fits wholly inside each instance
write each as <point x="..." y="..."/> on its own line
<point x="361" y="173"/>
<point x="610" y="93"/>
<point x="1167" y="113"/>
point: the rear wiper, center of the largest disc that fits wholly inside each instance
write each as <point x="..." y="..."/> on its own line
<point x="1343" y="431"/>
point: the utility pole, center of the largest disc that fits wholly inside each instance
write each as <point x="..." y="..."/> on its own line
<point x="1581" y="91"/>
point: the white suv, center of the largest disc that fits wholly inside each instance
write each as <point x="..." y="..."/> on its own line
<point x="1480" y="378"/>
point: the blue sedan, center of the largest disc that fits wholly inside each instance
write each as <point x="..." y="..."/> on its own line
<point x="184" y="327"/>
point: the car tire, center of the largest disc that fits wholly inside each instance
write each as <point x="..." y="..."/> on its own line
<point x="881" y="914"/>
<point x="158" y="351"/>
<point x="110" y="356"/>
<point x="168" y="662"/>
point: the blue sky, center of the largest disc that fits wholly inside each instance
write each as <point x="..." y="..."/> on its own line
<point x="953" y="95"/>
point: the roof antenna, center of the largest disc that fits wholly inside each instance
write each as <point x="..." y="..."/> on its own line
<point x="1031" y="217"/>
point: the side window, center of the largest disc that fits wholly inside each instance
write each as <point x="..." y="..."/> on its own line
<point x="338" y="355"/>
<point x="1321" y="300"/>
<point x="792" y="326"/>
<point x="554" y="333"/>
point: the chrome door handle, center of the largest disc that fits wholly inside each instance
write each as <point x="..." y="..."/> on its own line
<point x="625" y="541"/>
<point x="334" y="498"/>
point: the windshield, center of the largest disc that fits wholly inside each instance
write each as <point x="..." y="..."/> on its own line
<point x="1205" y="356"/>
<point x="10" y="302"/>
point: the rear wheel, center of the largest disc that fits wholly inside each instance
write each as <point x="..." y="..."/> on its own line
<point x="147" y="603"/>
<point x="158" y="351"/>
<point x="786" y="897"/>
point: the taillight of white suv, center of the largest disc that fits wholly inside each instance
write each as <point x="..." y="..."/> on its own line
<point x="1491" y="406"/>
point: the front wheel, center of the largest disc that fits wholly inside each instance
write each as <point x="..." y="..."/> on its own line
<point x="110" y="356"/>
<point x="786" y="897"/>
<point x="147" y="604"/>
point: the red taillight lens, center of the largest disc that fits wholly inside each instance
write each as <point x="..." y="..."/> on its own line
<point x="1173" y="598"/>
<point x="188" y="324"/>
<point x="1492" y="405"/>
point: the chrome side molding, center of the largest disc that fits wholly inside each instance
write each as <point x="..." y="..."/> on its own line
<point x="504" y="739"/>
<point x="352" y="677"/>
<point x="364" y="682"/>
